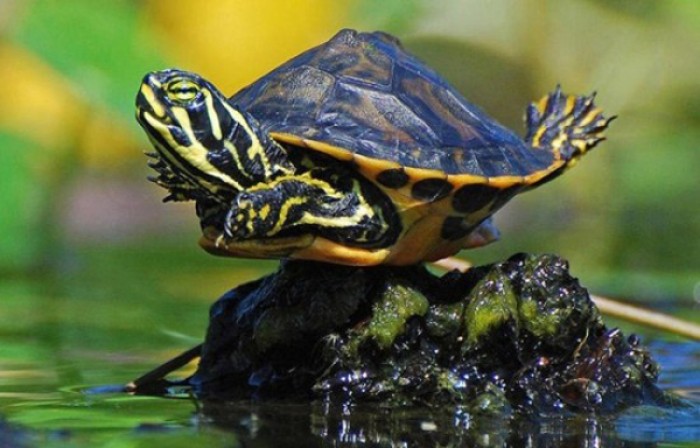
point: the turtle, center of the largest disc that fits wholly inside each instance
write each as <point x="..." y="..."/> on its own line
<point x="354" y="152"/>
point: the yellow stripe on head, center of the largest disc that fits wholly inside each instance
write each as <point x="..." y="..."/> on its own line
<point x="256" y="148"/>
<point x="150" y="96"/>
<point x="173" y="146"/>
<point x="196" y="153"/>
<point x="213" y="116"/>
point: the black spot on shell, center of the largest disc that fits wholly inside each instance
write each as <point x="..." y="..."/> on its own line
<point x="473" y="197"/>
<point x="454" y="228"/>
<point x="429" y="190"/>
<point x="393" y="178"/>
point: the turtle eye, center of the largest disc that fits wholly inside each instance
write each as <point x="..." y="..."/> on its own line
<point x="182" y="91"/>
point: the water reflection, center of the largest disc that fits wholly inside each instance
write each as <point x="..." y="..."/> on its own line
<point x="288" y="424"/>
<point x="38" y="412"/>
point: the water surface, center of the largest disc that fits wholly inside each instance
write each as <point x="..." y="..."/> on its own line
<point x="103" y="317"/>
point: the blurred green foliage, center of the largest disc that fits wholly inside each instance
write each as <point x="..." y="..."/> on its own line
<point x="101" y="48"/>
<point x="19" y="195"/>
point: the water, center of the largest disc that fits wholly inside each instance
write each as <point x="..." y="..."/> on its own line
<point x="103" y="317"/>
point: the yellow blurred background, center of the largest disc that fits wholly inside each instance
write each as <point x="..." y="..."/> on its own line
<point x="72" y="173"/>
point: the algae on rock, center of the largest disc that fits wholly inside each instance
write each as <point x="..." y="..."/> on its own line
<point x="521" y="334"/>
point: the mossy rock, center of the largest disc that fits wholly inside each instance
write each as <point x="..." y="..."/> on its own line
<point x="518" y="335"/>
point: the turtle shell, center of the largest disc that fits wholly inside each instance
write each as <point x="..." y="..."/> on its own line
<point x="363" y="93"/>
<point x="443" y="164"/>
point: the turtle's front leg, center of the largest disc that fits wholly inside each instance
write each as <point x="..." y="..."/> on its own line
<point x="335" y="207"/>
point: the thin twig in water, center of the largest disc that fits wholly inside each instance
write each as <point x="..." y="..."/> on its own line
<point x="159" y="373"/>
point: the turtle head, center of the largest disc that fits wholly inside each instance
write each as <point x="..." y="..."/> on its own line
<point x="205" y="148"/>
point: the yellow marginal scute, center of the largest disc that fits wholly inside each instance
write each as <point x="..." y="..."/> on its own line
<point x="370" y="167"/>
<point x="505" y="181"/>
<point x="331" y="150"/>
<point x="425" y="173"/>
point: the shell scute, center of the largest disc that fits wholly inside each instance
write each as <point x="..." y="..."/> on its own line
<point x="364" y="93"/>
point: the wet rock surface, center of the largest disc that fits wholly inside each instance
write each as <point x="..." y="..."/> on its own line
<point x="521" y="335"/>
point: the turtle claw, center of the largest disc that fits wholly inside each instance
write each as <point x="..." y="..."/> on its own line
<point x="244" y="219"/>
<point x="233" y="230"/>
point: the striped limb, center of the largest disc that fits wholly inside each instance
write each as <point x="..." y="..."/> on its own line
<point x="331" y="206"/>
